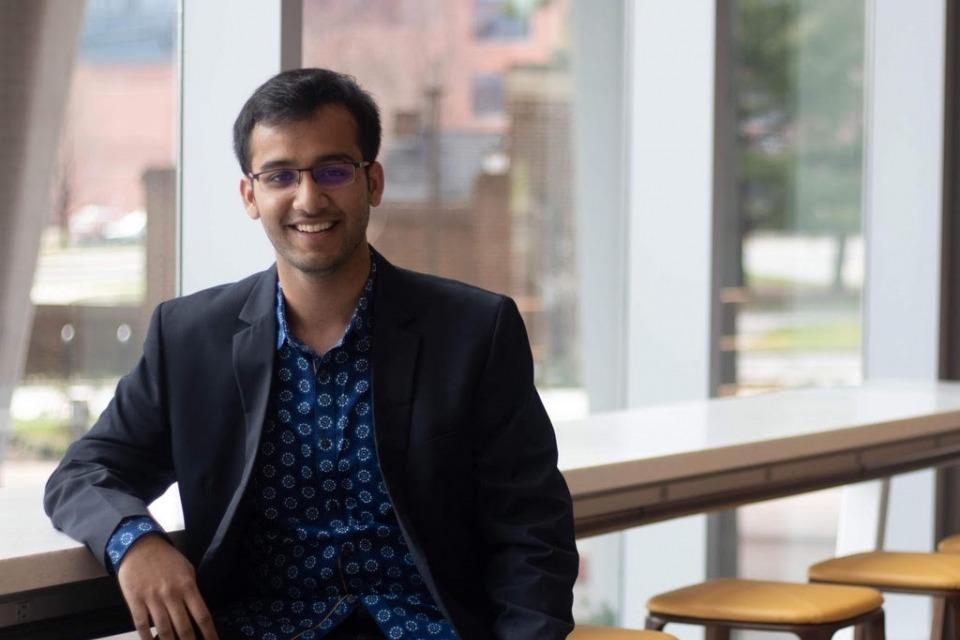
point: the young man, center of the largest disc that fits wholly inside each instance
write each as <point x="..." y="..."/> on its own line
<point x="360" y="449"/>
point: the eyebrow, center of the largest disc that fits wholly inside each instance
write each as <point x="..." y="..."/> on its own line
<point x="286" y="164"/>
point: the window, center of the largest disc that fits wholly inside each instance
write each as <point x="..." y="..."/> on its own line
<point x="106" y="258"/>
<point x="477" y="153"/>
<point x="483" y="201"/>
<point x="792" y="274"/>
<point x="501" y="19"/>
<point x="488" y="93"/>
<point x="794" y="293"/>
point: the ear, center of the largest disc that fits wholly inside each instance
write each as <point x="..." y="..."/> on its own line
<point x="249" y="200"/>
<point x="375" y="183"/>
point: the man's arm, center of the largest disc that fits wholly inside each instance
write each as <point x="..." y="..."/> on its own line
<point x="123" y="463"/>
<point x="525" y="507"/>
<point x="110" y="475"/>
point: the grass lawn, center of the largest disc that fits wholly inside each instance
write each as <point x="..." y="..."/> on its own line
<point x="834" y="336"/>
<point x="44" y="438"/>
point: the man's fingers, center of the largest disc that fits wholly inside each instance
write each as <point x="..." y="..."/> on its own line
<point x="180" y="620"/>
<point x="141" y="620"/>
<point x="161" y="620"/>
<point x="201" y="615"/>
<point x="160" y="585"/>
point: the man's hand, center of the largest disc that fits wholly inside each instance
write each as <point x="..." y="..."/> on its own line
<point x="159" y="584"/>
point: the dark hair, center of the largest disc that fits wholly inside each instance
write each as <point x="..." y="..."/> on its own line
<point x="294" y="95"/>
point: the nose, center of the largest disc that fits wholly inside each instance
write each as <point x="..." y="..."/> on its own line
<point x="310" y="197"/>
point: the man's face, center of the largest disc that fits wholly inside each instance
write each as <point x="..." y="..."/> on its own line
<point x="314" y="230"/>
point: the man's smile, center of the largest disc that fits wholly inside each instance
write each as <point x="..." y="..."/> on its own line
<point x="315" y="227"/>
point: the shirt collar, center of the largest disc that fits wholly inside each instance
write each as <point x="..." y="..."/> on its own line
<point x="361" y="319"/>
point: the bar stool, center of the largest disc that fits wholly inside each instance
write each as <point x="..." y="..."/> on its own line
<point x="950" y="544"/>
<point x="926" y="574"/>
<point x="593" y="632"/>
<point x="810" y="611"/>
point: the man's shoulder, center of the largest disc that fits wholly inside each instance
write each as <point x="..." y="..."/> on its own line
<point x="426" y="292"/>
<point x="220" y="302"/>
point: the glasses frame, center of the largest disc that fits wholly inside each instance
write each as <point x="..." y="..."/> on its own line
<point x="357" y="164"/>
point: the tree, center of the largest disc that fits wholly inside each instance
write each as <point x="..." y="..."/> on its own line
<point x="799" y="88"/>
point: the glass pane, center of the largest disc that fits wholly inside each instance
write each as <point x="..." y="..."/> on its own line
<point x="792" y="295"/>
<point x="107" y="255"/>
<point x="799" y="121"/>
<point x="476" y="152"/>
<point x="476" y="102"/>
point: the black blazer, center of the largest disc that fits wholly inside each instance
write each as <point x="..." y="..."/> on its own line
<point x="466" y="449"/>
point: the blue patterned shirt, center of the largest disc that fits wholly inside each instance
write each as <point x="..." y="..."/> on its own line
<point x="322" y="537"/>
<point x="127" y="532"/>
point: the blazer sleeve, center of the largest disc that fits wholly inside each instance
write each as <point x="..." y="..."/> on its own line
<point x="525" y="506"/>
<point x="123" y="463"/>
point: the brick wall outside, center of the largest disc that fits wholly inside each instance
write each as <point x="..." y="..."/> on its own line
<point x="473" y="239"/>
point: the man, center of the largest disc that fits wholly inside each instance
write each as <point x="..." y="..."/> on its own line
<point x="360" y="449"/>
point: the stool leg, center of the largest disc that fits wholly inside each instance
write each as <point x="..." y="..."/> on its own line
<point x="874" y="629"/>
<point x="717" y="633"/>
<point x="939" y="627"/>
<point x="952" y="627"/>
<point x="654" y="623"/>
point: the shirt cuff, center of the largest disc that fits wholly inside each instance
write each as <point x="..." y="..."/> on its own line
<point x="127" y="532"/>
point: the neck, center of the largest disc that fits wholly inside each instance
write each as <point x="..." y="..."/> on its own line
<point x="319" y="305"/>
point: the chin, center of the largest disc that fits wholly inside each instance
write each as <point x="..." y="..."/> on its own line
<point x="320" y="265"/>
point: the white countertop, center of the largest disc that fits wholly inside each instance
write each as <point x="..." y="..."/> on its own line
<point x="34" y="555"/>
<point x="677" y="441"/>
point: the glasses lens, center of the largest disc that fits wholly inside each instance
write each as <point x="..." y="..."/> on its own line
<point x="280" y="179"/>
<point x="334" y="175"/>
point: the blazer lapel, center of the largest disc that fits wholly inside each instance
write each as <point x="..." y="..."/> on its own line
<point x="395" y="350"/>
<point x="253" y="351"/>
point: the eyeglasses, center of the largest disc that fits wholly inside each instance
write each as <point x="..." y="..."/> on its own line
<point x="326" y="176"/>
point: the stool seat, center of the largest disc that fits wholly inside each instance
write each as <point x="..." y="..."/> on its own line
<point x="593" y="632"/>
<point x="757" y="601"/>
<point x="950" y="544"/>
<point x="892" y="570"/>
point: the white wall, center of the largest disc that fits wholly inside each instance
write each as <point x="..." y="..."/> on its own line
<point x="670" y="200"/>
<point x="225" y="56"/>
<point x="902" y="227"/>
<point x="598" y="59"/>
